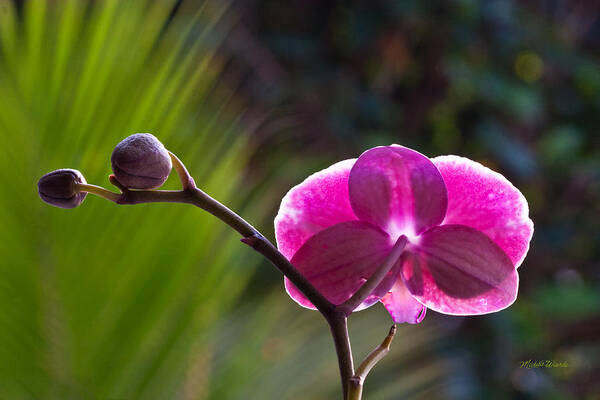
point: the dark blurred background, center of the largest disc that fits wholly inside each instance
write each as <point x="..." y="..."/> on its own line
<point x="160" y="302"/>
<point x="514" y="85"/>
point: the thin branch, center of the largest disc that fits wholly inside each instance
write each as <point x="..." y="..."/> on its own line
<point x="338" y="323"/>
<point x="355" y="388"/>
<point x="187" y="182"/>
<point x="376" y="355"/>
<point x="212" y="206"/>
<point x="98" y="191"/>
<point x="259" y="243"/>
<point x="355" y="383"/>
<point x="367" y="288"/>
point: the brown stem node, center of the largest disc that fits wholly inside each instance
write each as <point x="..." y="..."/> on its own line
<point x="113" y="179"/>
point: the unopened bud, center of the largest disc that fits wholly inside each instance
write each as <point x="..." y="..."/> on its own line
<point x="58" y="188"/>
<point x="141" y="162"/>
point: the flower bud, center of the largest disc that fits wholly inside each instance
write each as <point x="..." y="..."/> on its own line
<point x="57" y="188"/>
<point x="141" y="162"/>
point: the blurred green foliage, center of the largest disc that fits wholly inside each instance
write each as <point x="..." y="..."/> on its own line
<point x="161" y="301"/>
<point x="106" y="301"/>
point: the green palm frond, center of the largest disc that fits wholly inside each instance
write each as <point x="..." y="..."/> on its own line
<point x="107" y="301"/>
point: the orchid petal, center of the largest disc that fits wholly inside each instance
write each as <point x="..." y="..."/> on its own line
<point x="315" y="204"/>
<point x="397" y="189"/>
<point x="402" y="306"/>
<point x="339" y="259"/>
<point x="457" y="270"/>
<point x="485" y="200"/>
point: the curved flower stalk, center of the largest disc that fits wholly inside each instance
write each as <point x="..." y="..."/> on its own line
<point x="467" y="230"/>
<point x="391" y="226"/>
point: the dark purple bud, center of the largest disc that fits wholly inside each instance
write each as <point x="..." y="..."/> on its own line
<point x="141" y="162"/>
<point x="57" y="188"/>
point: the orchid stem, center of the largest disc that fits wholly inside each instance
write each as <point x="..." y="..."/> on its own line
<point x="338" y="324"/>
<point x="98" y="191"/>
<point x="186" y="179"/>
<point x="356" y="382"/>
<point x="367" y="288"/>
<point x="336" y="316"/>
<point x="376" y="355"/>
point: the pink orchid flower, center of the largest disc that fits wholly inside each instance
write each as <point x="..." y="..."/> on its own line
<point x="467" y="230"/>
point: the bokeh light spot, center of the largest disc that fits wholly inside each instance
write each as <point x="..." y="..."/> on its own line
<point x="529" y="66"/>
